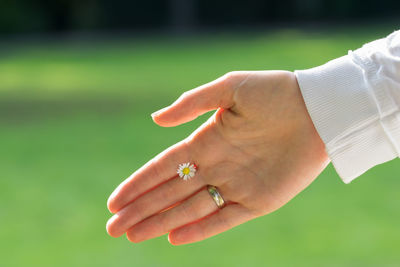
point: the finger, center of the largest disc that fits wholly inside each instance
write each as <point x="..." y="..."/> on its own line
<point x="154" y="201"/>
<point x="192" y="209"/>
<point x="223" y="220"/>
<point x="193" y="103"/>
<point x="160" y="169"/>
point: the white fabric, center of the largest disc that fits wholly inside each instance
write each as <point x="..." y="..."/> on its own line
<point x="354" y="104"/>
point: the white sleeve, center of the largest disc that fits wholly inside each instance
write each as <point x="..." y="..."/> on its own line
<point x="354" y="104"/>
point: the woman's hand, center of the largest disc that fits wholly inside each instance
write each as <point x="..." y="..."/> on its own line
<point x="260" y="149"/>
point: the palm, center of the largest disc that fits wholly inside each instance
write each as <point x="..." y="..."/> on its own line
<point x="259" y="149"/>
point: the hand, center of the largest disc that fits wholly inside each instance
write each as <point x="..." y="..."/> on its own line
<point x="260" y="149"/>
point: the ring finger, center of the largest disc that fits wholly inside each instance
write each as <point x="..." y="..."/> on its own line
<point x="196" y="207"/>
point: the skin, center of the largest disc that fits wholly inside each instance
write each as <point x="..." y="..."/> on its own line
<point x="260" y="149"/>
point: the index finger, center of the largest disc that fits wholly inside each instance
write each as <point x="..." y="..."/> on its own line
<point x="157" y="171"/>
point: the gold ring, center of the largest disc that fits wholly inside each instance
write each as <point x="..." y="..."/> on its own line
<point x="216" y="196"/>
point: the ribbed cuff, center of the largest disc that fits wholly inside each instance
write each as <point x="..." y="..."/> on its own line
<point x="346" y="116"/>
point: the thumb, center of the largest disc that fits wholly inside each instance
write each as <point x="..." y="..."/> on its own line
<point x="193" y="103"/>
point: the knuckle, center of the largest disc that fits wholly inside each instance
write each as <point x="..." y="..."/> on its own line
<point x="189" y="211"/>
<point x="235" y="80"/>
<point x="184" y="95"/>
<point x="228" y="78"/>
<point x="187" y="98"/>
<point x="231" y="74"/>
<point x="167" y="192"/>
<point x="163" y="224"/>
<point x="136" y="212"/>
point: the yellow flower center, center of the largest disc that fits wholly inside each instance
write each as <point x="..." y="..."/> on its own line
<point x="186" y="171"/>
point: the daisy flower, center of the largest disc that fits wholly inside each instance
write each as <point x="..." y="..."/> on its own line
<point x="186" y="170"/>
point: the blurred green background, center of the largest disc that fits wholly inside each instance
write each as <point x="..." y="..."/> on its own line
<point x="75" y="121"/>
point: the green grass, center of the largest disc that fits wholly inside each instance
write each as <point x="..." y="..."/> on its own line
<point x="74" y="122"/>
